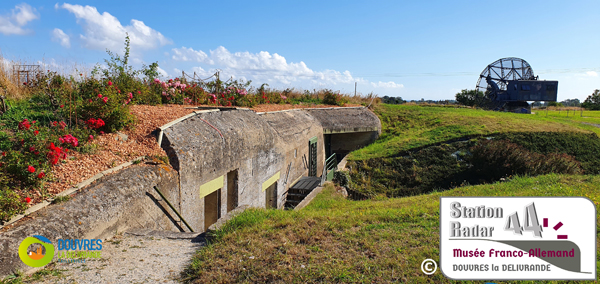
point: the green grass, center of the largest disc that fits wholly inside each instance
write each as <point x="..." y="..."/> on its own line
<point x="41" y="275"/>
<point x="385" y="240"/>
<point x="406" y="127"/>
<point x="337" y="240"/>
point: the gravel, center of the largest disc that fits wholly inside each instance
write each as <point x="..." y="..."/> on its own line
<point x="155" y="257"/>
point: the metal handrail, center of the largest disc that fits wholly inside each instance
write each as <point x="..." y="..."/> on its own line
<point x="173" y="208"/>
<point x="330" y="165"/>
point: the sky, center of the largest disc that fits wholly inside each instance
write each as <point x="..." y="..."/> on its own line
<point x="408" y="49"/>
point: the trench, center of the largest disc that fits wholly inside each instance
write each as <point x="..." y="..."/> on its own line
<point x="476" y="160"/>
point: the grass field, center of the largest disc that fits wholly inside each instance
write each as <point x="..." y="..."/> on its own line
<point x="408" y="126"/>
<point x="337" y="240"/>
<point x="383" y="239"/>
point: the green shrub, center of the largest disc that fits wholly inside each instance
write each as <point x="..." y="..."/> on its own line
<point x="331" y="98"/>
<point x="583" y="146"/>
<point x="10" y="204"/>
<point x="495" y="159"/>
<point x="476" y="161"/>
<point x="104" y="100"/>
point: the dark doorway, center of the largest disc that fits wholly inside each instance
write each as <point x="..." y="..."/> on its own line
<point x="212" y="208"/>
<point x="271" y="196"/>
<point x="312" y="157"/>
<point x="232" y="190"/>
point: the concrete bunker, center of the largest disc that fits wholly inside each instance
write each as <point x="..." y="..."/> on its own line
<point x="346" y="131"/>
<point x="227" y="159"/>
<point x="224" y="160"/>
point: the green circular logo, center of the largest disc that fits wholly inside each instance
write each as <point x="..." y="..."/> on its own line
<point x="37" y="258"/>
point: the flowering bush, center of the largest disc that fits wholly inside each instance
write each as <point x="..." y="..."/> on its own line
<point x="102" y="106"/>
<point x="93" y="123"/>
<point x="56" y="154"/>
<point x="171" y="91"/>
<point x="69" y="139"/>
<point x="24" y="125"/>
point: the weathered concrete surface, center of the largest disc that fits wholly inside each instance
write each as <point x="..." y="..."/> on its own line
<point x="294" y="129"/>
<point x="342" y="120"/>
<point x="201" y="154"/>
<point x="112" y="204"/>
<point x="262" y="148"/>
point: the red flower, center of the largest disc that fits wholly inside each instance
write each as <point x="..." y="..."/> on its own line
<point x="31" y="149"/>
<point x="139" y="92"/>
<point x="105" y="99"/>
<point x="90" y="101"/>
<point x="109" y="83"/>
<point x="27" y="199"/>
<point x="91" y="138"/>
<point x="31" y="169"/>
<point x="41" y="175"/>
<point x="95" y="123"/>
<point x="24" y="125"/>
<point x="36" y="132"/>
<point x="4" y="154"/>
<point x="61" y="106"/>
<point x="99" y="95"/>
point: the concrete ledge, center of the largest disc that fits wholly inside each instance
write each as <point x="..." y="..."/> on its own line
<point x="350" y="130"/>
<point x="227" y="217"/>
<point x="115" y="203"/>
<point x="69" y="191"/>
<point x="163" y="234"/>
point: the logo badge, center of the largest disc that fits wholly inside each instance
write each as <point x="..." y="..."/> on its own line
<point x="36" y="258"/>
<point x="518" y="238"/>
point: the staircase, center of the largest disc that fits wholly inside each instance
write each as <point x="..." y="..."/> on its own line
<point x="297" y="192"/>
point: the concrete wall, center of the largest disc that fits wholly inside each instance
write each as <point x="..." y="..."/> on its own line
<point x="112" y="204"/>
<point x="260" y="147"/>
<point x="263" y="148"/>
<point x="346" y="120"/>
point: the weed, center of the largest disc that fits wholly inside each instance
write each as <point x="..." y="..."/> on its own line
<point x="60" y="199"/>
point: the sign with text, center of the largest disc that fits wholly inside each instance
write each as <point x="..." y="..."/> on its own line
<point x="517" y="238"/>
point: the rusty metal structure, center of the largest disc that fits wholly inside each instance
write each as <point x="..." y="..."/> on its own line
<point x="509" y="83"/>
<point x="26" y="74"/>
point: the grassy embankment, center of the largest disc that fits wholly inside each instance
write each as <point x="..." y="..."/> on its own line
<point x="382" y="239"/>
<point x="406" y="127"/>
<point x="418" y="150"/>
<point x="337" y="240"/>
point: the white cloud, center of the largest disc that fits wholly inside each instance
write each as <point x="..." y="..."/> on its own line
<point x="389" y="84"/>
<point x="591" y="73"/>
<point x="188" y="54"/>
<point x="59" y="36"/>
<point x="19" y="17"/>
<point x="162" y="72"/>
<point x="264" y="67"/>
<point x="104" y="31"/>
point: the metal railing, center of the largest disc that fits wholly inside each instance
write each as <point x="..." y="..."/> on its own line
<point x="329" y="169"/>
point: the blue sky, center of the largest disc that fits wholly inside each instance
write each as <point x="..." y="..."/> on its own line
<point x="412" y="49"/>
